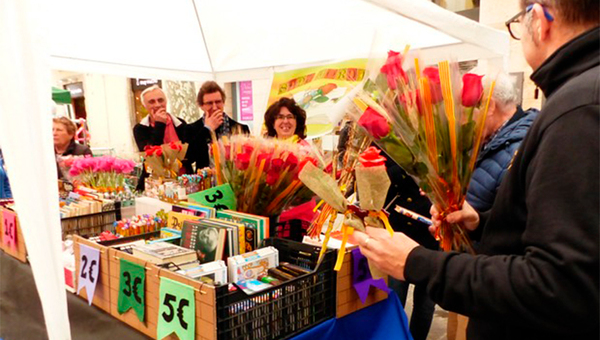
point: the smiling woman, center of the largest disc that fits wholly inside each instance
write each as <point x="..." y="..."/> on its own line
<point x="285" y="119"/>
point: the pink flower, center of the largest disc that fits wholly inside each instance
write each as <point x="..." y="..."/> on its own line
<point x="393" y="69"/>
<point x="375" y="124"/>
<point x="472" y="90"/>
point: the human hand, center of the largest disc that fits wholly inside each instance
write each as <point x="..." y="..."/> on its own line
<point x="387" y="253"/>
<point x="467" y="216"/>
<point x="214" y="120"/>
<point x="160" y="115"/>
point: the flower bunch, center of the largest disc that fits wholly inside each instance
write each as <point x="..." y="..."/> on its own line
<point x="431" y="123"/>
<point x="105" y="174"/>
<point x="263" y="172"/>
<point x="165" y="160"/>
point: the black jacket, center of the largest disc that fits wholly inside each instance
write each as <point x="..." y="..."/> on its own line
<point x="537" y="276"/>
<point x="200" y="137"/>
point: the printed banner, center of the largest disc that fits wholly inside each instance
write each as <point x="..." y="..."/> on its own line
<point x="131" y="288"/>
<point x="9" y="237"/>
<point x="89" y="270"/>
<point x="220" y="197"/>
<point x="317" y="89"/>
<point x="246" y="102"/>
<point x="361" y="276"/>
<point x="177" y="310"/>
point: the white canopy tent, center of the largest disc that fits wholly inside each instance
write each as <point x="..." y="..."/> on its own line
<point x="237" y="40"/>
<point x="179" y="40"/>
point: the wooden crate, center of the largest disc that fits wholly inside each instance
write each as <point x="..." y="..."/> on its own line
<point x="151" y="293"/>
<point x="102" y="293"/>
<point x="21" y="252"/>
<point x="206" y="309"/>
<point x="347" y="298"/>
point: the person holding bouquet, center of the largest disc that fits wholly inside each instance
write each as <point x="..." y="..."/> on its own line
<point x="159" y="127"/>
<point x="536" y="272"/>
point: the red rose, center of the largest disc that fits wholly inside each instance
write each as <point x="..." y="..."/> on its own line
<point x="248" y="148"/>
<point x="159" y="151"/>
<point x="433" y="75"/>
<point x="266" y="157"/>
<point x="393" y="69"/>
<point x="307" y="160"/>
<point x="272" y="177"/>
<point x="242" y="160"/>
<point x="277" y="164"/>
<point x="375" y="124"/>
<point x="371" y="157"/>
<point x="472" y="90"/>
<point x="291" y="162"/>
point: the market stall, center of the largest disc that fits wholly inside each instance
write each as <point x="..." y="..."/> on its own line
<point x="199" y="40"/>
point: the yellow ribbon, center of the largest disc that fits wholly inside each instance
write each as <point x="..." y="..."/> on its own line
<point x="347" y="231"/>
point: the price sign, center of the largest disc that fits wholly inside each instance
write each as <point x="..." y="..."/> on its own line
<point x="177" y="310"/>
<point x="89" y="268"/>
<point x="131" y="288"/>
<point x="220" y="197"/>
<point x="9" y="236"/>
<point x="361" y="276"/>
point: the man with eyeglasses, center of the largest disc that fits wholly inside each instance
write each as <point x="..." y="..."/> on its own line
<point x="536" y="275"/>
<point x="211" y="99"/>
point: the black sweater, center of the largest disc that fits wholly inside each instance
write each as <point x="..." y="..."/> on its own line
<point x="537" y="275"/>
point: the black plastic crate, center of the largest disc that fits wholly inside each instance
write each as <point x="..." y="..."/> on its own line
<point x="284" y="310"/>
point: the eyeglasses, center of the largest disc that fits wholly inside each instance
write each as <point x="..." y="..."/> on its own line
<point x="515" y="30"/>
<point x="214" y="102"/>
<point x="284" y="117"/>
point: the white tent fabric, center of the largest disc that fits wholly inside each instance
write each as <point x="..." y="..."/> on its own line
<point x="200" y="39"/>
<point x="26" y="140"/>
<point x="226" y="40"/>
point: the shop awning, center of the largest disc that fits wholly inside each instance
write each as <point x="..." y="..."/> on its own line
<point x="61" y="96"/>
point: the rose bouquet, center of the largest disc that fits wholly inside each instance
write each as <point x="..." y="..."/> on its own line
<point x="105" y="174"/>
<point x="263" y="172"/>
<point x="431" y="123"/>
<point x="165" y="160"/>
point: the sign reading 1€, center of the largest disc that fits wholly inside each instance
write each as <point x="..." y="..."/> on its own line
<point x="220" y="197"/>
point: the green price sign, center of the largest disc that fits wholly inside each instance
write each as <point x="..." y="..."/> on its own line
<point x="177" y="310"/>
<point x="220" y="197"/>
<point x="131" y="288"/>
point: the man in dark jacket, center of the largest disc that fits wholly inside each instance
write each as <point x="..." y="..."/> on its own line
<point x="211" y="99"/>
<point x="537" y="275"/>
<point x="159" y="126"/>
<point x="505" y="127"/>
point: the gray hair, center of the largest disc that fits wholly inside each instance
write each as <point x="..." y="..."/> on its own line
<point x="505" y="93"/>
<point x="149" y="89"/>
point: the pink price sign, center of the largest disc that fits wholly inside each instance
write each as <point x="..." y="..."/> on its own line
<point x="10" y="229"/>
<point x="246" y="107"/>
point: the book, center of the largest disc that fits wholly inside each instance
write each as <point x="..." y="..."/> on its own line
<point x="214" y="272"/>
<point x="256" y="227"/>
<point x="208" y="240"/>
<point x="207" y="212"/>
<point x="163" y="252"/>
<point x="250" y="265"/>
<point x="176" y="219"/>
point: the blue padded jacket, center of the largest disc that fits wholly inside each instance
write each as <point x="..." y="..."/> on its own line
<point x="495" y="157"/>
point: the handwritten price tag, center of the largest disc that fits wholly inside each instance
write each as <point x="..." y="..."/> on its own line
<point x="131" y="288"/>
<point x="177" y="310"/>
<point x="220" y="197"/>
<point x="10" y="229"/>
<point x="89" y="268"/>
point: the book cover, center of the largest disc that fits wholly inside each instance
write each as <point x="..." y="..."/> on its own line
<point x="208" y="240"/>
<point x="163" y="252"/>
